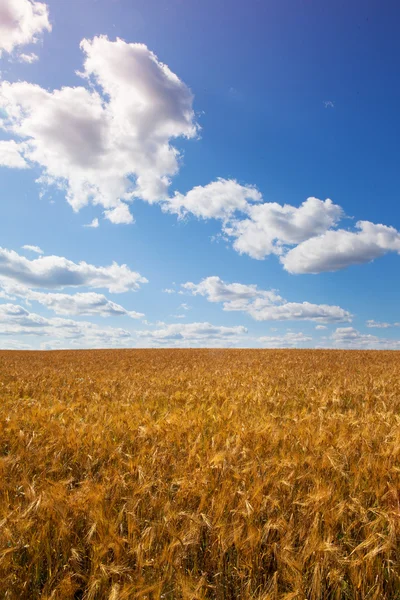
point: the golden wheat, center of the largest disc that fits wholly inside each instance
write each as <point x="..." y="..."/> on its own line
<point x="194" y="474"/>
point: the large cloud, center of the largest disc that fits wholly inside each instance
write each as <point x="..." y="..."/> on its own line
<point x="271" y="226"/>
<point x="305" y="237"/>
<point x="264" y="305"/>
<point x="52" y="272"/>
<point x="257" y="228"/>
<point x="109" y="143"/>
<point x="22" y="22"/>
<point x="339" y="249"/>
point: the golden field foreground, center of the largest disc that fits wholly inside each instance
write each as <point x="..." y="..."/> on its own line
<point x="190" y="474"/>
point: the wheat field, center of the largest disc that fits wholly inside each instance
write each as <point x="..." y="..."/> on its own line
<point x="194" y="474"/>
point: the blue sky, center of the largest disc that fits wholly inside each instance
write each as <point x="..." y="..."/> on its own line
<point x="180" y="174"/>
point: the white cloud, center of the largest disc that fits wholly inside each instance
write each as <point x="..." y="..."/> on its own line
<point x="5" y="296"/>
<point x="305" y="237"/>
<point x="270" y="226"/>
<point x="378" y="325"/>
<point x="35" y="249"/>
<point x="52" y="272"/>
<point x="14" y="345"/>
<point x="16" y="320"/>
<point x="264" y="305"/>
<point x="185" y="306"/>
<point x="235" y="296"/>
<point x="218" y="200"/>
<point x="339" y="249"/>
<point x="10" y="155"/>
<point x="22" y="22"/>
<point x="93" y="224"/>
<point x="195" y="333"/>
<point x="320" y="327"/>
<point x="329" y="104"/>
<point x="257" y="228"/>
<point x="81" y="304"/>
<point x="288" y="340"/>
<point x="168" y="291"/>
<point x="119" y="215"/>
<point x="109" y="142"/>
<point x="28" y="58"/>
<point x="348" y="337"/>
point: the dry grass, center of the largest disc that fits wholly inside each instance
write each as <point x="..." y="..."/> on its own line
<point x="194" y="474"/>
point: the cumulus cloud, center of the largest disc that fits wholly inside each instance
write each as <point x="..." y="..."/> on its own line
<point x="234" y="296"/>
<point x="218" y="200"/>
<point x="15" y="320"/>
<point x="288" y="340"/>
<point x="271" y="226"/>
<point x="348" y="337"/>
<point x="10" y="155"/>
<point x="298" y="311"/>
<point x="52" y="272"/>
<point x="81" y="304"/>
<point x="257" y="228"/>
<point x="110" y="141"/>
<point x="305" y="238"/>
<point x="196" y="333"/>
<point x="13" y="316"/>
<point x="35" y="249"/>
<point x="338" y="249"/>
<point x="22" y="22"/>
<point x="320" y="327"/>
<point x="264" y="305"/>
